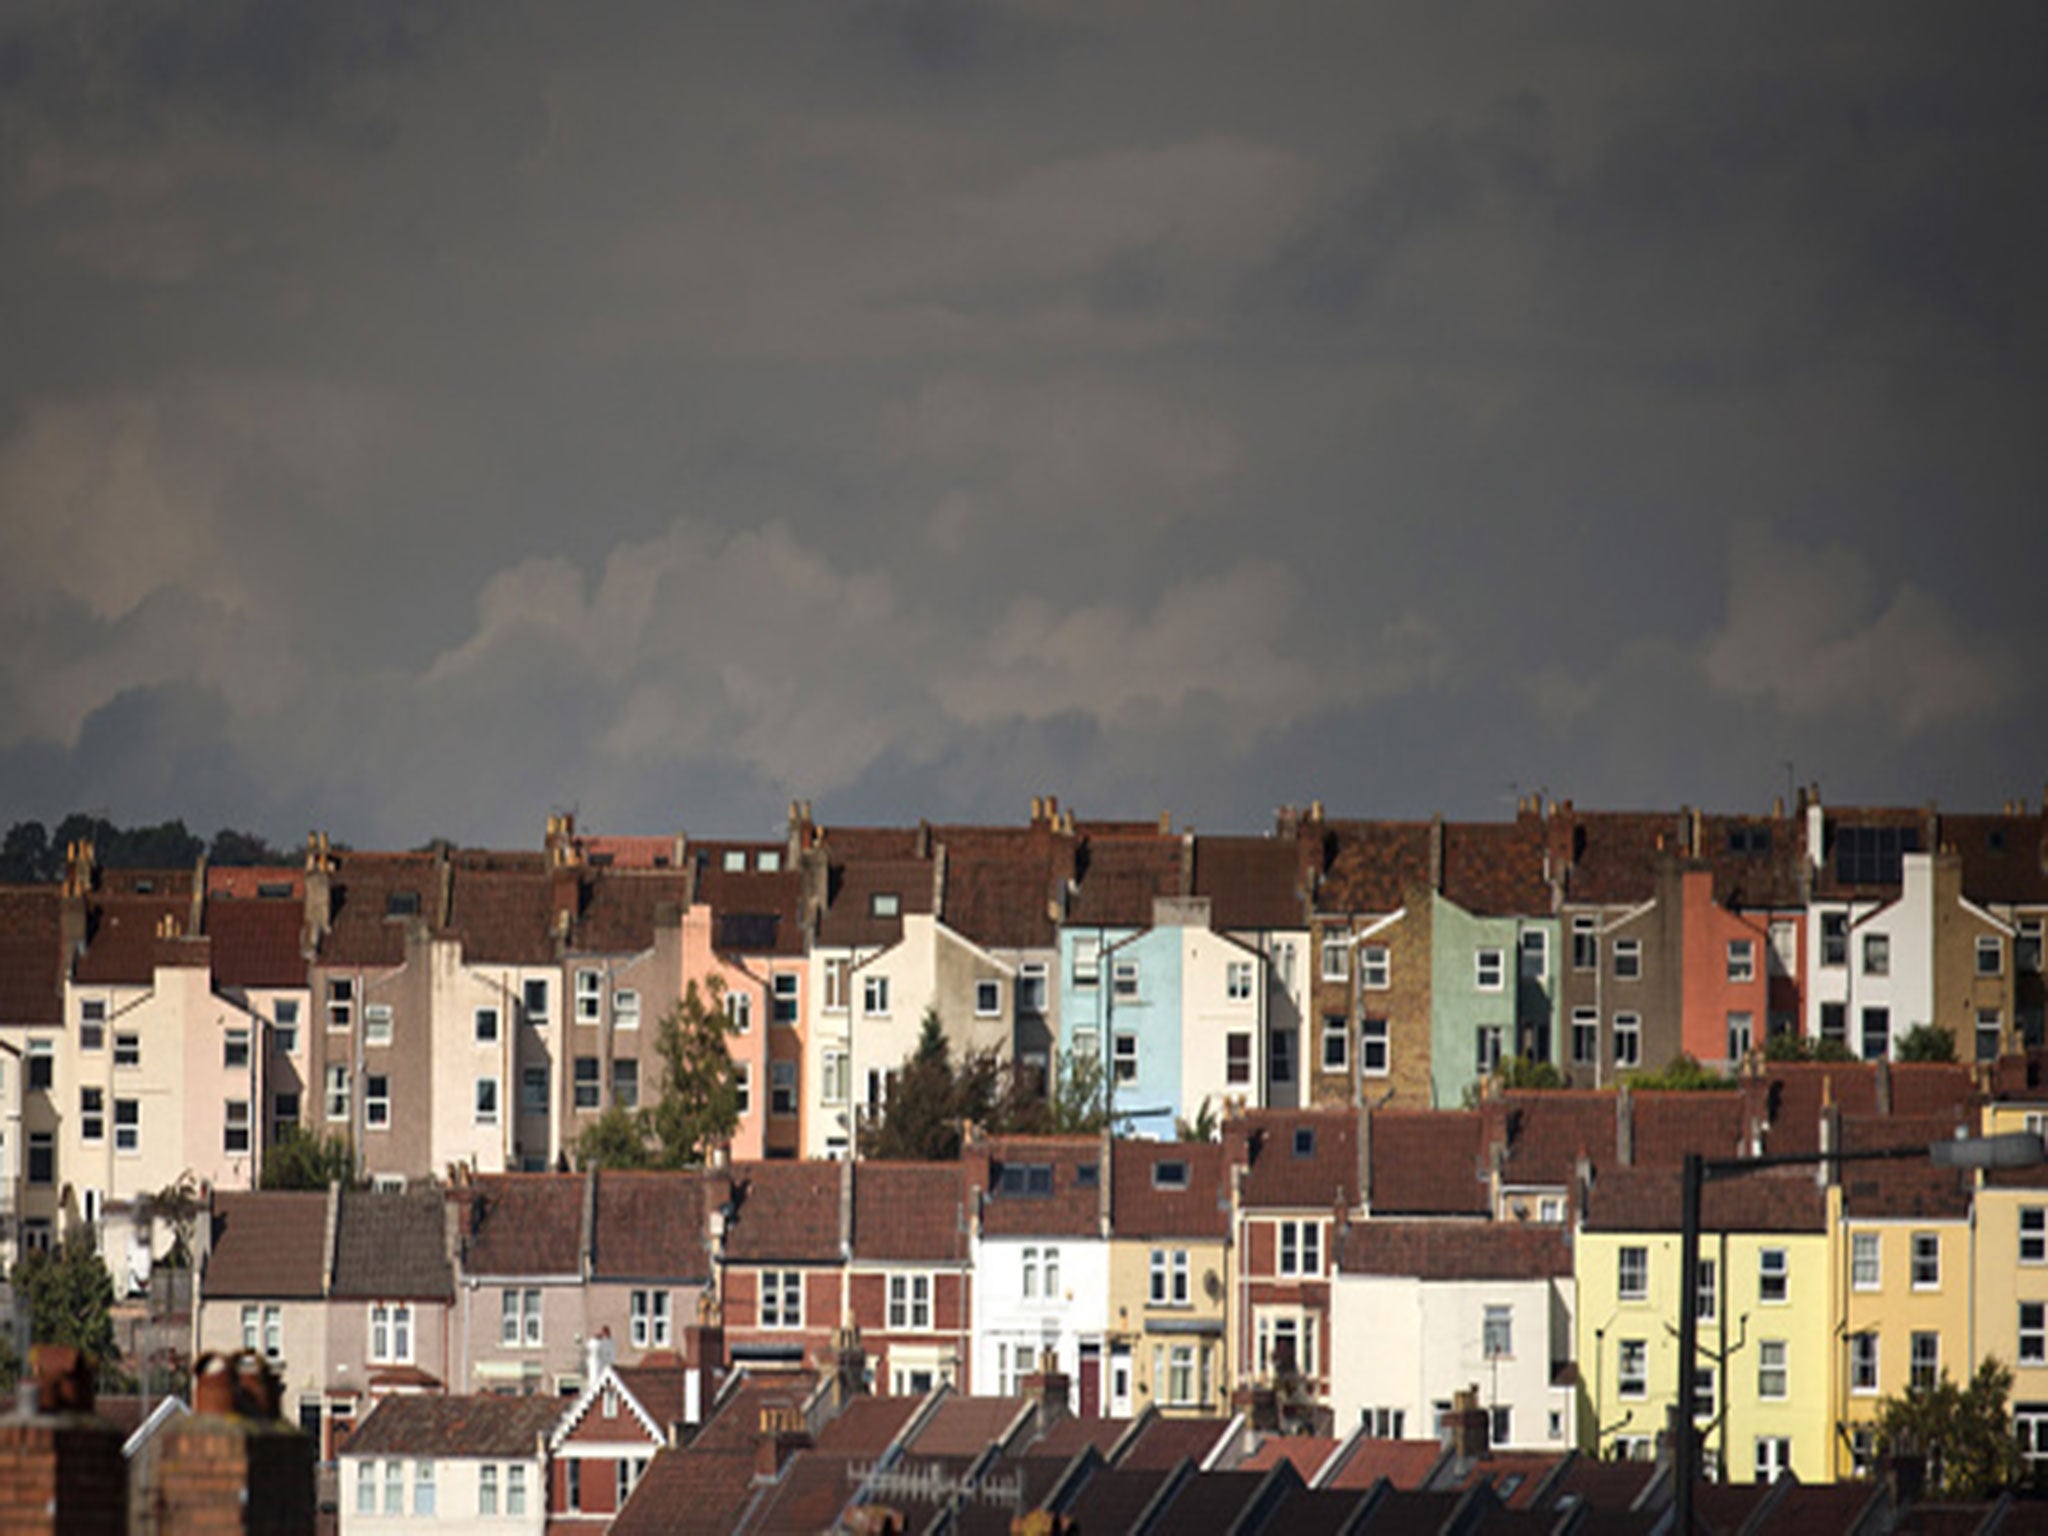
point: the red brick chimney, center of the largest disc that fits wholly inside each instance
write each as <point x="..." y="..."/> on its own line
<point x="782" y="1436"/>
<point x="1048" y="1386"/>
<point x="61" y="1468"/>
<point x="1468" y="1429"/>
<point x="232" y="1465"/>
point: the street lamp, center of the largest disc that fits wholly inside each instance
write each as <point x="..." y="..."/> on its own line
<point x="2013" y="1149"/>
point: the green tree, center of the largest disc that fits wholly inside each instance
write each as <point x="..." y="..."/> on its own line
<point x="1526" y="1072"/>
<point x="1204" y="1127"/>
<point x="301" y="1160"/>
<point x="617" y="1138"/>
<point x="1078" y="1103"/>
<point x="1928" y="1042"/>
<point x="699" y="1099"/>
<point x="921" y="1121"/>
<point x="180" y="1204"/>
<point x="243" y="848"/>
<point x="1684" y="1074"/>
<point x="1965" y="1434"/>
<point x="1791" y="1045"/>
<point x="26" y="857"/>
<point x="70" y="1299"/>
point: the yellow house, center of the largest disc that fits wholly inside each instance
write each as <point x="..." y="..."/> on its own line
<point x="1765" y="1400"/>
<point x="1905" y="1271"/>
<point x="2011" y="1295"/>
<point x="1169" y="1230"/>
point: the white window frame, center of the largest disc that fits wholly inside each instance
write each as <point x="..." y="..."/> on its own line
<point x="2033" y="1234"/>
<point x="128" y="1127"/>
<point x="488" y="1107"/>
<point x="1866" y="1261"/>
<point x="1926" y="1261"/>
<point x="1237" y="981"/>
<point x="1490" y="968"/>
<point x="1167" y="1278"/>
<point x="1741" y="961"/>
<point x="781" y="1299"/>
<point x="988" y="998"/>
<point x="341" y="1002"/>
<point x="739" y="1010"/>
<point x="649" y="1314"/>
<point x="1335" y="964"/>
<point x="1333" y="1050"/>
<point x="336" y="1095"/>
<point x="1863" y="1363"/>
<point x="487" y="1024"/>
<point x="1628" y="959"/>
<point x="1773" y="1277"/>
<point x="1534" y="944"/>
<point x="376" y="1024"/>
<point x="1298" y="1249"/>
<point x="1990" y="944"/>
<point x="1632" y="1368"/>
<point x="1632" y="1272"/>
<point x="2032" y="1347"/>
<point x="910" y="1303"/>
<point x="1628" y="1040"/>
<point x="1375" y="967"/>
<point x="391" y="1333"/>
<point x="626" y="1007"/>
<point x="874" y="996"/>
<point x="589" y="995"/>
<point x="1773" y="1370"/>
<point x="376" y="1100"/>
<point x="1375" y="1047"/>
<point x="1923" y="1363"/>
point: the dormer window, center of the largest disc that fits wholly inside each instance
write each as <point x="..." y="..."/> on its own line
<point x="735" y="861"/>
<point x="1025" y="1179"/>
<point x="768" y="861"/>
<point x="145" y="887"/>
<point x="1305" y="1141"/>
<point x="402" y="904"/>
<point x="274" y="890"/>
<point x="885" y="904"/>
<point x="1172" y="1175"/>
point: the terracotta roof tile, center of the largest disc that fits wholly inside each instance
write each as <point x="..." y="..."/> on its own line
<point x="909" y="1211"/>
<point x="1073" y="1208"/>
<point x="867" y="1426"/>
<point x="851" y="919"/>
<point x="1818" y="1507"/>
<point x="122" y="942"/>
<point x="1668" y="1123"/>
<point x="1647" y="1200"/>
<point x="1456" y="1250"/>
<point x="1605" y="1484"/>
<point x="966" y="1426"/>
<point x="268" y="1243"/>
<point x="1166" y="1442"/>
<point x="1295" y="1159"/>
<point x="1611" y="856"/>
<point x="1932" y="1088"/>
<point x="31" y="959"/>
<point x="1495" y="869"/>
<point x="256" y="882"/>
<point x="1251" y="883"/>
<point x="1756" y="861"/>
<point x="2021" y="1078"/>
<point x="651" y="1226"/>
<point x="393" y="1244"/>
<point x="1071" y="1435"/>
<point x="363" y="930"/>
<point x="1403" y="1463"/>
<point x="815" y="1487"/>
<point x="413" y="1424"/>
<point x="619" y="911"/>
<point x="1211" y="1502"/>
<point x="1786" y="1100"/>
<point x="1911" y="1187"/>
<point x="1371" y="866"/>
<point x="785" y="1210"/>
<point x="1544" y="1131"/>
<point x="257" y="943"/>
<point x="688" y="1491"/>
<point x="631" y="851"/>
<point x="1113" y="1499"/>
<point x="1118" y="878"/>
<point x="660" y="1385"/>
<point x="1000" y="902"/>
<point x="1197" y="1206"/>
<point x="1317" y="1512"/>
<point x="1428" y="1162"/>
<point x="521" y="1224"/>
<point x="503" y="916"/>
<point x="1305" y="1453"/>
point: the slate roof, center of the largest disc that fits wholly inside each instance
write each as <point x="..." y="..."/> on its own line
<point x="1251" y="883"/>
<point x="1668" y="1123"/>
<point x="31" y="958"/>
<point x="522" y="1224"/>
<point x="2004" y="858"/>
<point x="1073" y="1209"/>
<point x="784" y="1211"/>
<point x="907" y="1211"/>
<point x="1495" y="868"/>
<point x="1428" y="1162"/>
<point x="1372" y="866"/>
<point x="1277" y="1177"/>
<point x="268" y="1243"/>
<point x="121" y="943"/>
<point x="257" y="943"/>
<point x="650" y="1226"/>
<point x="1113" y="1498"/>
<point x="361" y="932"/>
<point x="1543" y="1131"/>
<point x="1611" y="856"/>
<point x="393" y="1244"/>
<point x="1805" y="1507"/>
<point x="1118" y="878"/>
<point x="1211" y="1502"/>
<point x="850" y="921"/>
<point x="619" y="911"/>
<point x="420" y="1424"/>
<point x="1456" y="1250"/>
<point x="1140" y="1207"/>
<point x="1647" y="1200"/>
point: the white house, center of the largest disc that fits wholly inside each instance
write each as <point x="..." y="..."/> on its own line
<point x="1428" y="1308"/>
<point x="449" y="1464"/>
<point x="1869" y="937"/>
<point x="1041" y="1269"/>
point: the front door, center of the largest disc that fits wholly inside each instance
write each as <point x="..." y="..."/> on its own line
<point x="1091" y="1381"/>
<point x="1119" y="1381"/>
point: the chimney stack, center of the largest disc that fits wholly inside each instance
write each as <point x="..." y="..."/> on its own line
<point x="1468" y="1430"/>
<point x="232" y="1465"/>
<point x="782" y="1435"/>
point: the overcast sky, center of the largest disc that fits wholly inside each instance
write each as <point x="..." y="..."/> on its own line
<point x="416" y="418"/>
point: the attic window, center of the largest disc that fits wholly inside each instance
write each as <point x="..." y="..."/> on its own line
<point x="1305" y="1141"/>
<point x="884" y="904"/>
<point x="1026" y="1179"/>
<point x="1995" y="840"/>
<point x="402" y="904"/>
<point x="1749" y="839"/>
<point x="145" y="887"/>
<point x="1173" y="1175"/>
<point x="274" y="890"/>
<point x="1873" y="855"/>
<point x="1087" y="1175"/>
<point x="768" y="860"/>
<point x="735" y="861"/>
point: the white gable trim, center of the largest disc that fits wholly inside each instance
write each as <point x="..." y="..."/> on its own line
<point x="581" y="1407"/>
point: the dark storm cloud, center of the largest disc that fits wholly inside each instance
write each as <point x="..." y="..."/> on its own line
<point x="413" y="417"/>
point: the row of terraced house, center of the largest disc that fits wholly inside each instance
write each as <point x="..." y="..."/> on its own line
<point x="1315" y="1269"/>
<point x="465" y="1009"/>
